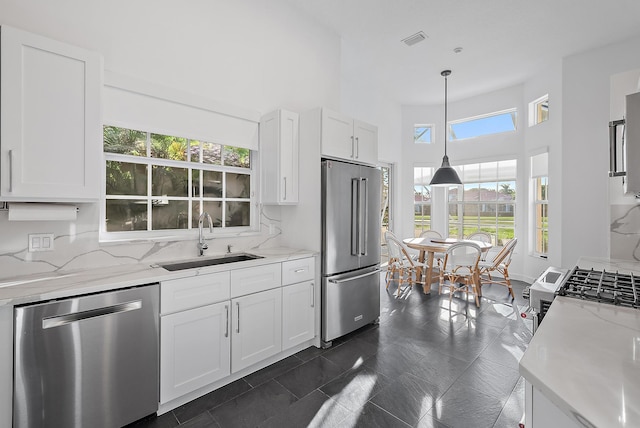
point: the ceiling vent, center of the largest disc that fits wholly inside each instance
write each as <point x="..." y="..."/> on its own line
<point x="414" y="38"/>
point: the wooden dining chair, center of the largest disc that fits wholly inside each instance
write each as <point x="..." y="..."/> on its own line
<point x="460" y="269"/>
<point x="401" y="263"/>
<point x="433" y="234"/>
<point x="430" y="234"/>
<point x="480" y="236"/>
<point x="499" y="264"/>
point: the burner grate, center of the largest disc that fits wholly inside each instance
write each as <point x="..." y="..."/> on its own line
<point x="602" y="286"/>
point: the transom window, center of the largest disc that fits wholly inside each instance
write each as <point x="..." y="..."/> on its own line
<point x="485" y="202"/>
<point x="422" y="134"/>
<point x="160" y="182"/>
<point x="492" y="123"/>
<point x="539" y="110"/>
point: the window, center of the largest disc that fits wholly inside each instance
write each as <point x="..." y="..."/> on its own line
<point x="423" y="134"/>
<point x="386" y="193"/>
<point x="421" y="199"/>
<point x="540" y="186"/>
<point x="486" y="201"/>
<point x="492" y="123"/>
<point x="160" y="182"/>
<point x="539" y="110"/>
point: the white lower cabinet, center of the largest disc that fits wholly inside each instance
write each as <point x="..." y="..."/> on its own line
<point x="298" y="313"/>
<point x="256" y="328"/>
<point x="215" y="325"/>
<point x="194" y="349"/>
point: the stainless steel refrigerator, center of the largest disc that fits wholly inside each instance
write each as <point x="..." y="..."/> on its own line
<point x="350" y="248"/>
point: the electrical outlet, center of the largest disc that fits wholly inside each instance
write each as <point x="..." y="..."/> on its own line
<point x="40" y="242"/>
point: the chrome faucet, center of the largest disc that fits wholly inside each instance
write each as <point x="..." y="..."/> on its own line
<point x="201" y="244"/>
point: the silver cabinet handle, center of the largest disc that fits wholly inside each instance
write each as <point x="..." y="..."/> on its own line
<point x="226" y="329"/>
<point x="284" y="198"/>
<point x="352" y="147"/>
<point x="238" y="306"/>
<point x="10" y="171"/>
<point x="57" y="321"/>
<point x="299" y="270"/>
<point x="313" y="295"/>
<point x="357" y="147"/>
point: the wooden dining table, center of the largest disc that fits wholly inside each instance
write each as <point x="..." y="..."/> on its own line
<point x="428" y="247"/>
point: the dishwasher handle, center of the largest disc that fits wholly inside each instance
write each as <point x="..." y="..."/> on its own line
<point x="58" y="321"/>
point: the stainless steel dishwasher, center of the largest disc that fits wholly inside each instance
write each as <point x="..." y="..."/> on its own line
<point x="87" y="361"/>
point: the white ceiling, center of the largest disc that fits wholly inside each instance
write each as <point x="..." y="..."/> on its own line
<point x="504" y="41"/>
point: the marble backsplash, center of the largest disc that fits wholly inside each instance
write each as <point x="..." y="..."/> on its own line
<point x="77" y="246"/>
<point x="625" y="232"/>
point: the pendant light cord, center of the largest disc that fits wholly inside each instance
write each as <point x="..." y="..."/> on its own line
<point x="445" y="73"/>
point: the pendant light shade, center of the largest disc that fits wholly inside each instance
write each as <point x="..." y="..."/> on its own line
<point x="445" y="175"/>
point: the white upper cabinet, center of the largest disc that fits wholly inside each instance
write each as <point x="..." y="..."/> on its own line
<point x="50" y="120"/>
<point x="346" y="138"/>
<point x="279" y="145"/>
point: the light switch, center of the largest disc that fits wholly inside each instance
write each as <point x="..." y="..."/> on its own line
<point x="40" y="242"/>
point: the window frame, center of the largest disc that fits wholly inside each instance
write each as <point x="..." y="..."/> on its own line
<point x="426" y="173"/>
<point x="431" y="129"/>
<point x="540" y="227"/>
<point x="534" y="110"/>
<point x="453" y="199"/>
<point x="513" y="112"/>
<point x="190" y="165"/>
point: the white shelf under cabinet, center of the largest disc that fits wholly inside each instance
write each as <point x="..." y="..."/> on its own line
<point x="50" y="122"/>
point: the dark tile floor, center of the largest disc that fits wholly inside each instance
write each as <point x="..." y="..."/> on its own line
<point x="428" y="364"/>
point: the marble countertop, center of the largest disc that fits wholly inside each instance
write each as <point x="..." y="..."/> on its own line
<point x="56" y="285"/>
<point x="585" y="356"/>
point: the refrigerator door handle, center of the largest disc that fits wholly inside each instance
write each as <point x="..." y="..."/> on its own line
<point x="364" y="220"/>
<point x="352" y="278"/>
<point x="355" y="217"/>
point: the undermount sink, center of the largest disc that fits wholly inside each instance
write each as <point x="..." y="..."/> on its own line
<point x="211" y="261"/>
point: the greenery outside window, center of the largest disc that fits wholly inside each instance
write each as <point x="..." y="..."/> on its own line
<point x="486" y="201"/>
<point x="160" y="182"/>
<point x="421" y="199"/>
<point x="423" y="134"/>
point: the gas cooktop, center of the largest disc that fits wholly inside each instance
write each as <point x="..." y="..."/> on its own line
<point x="602" y="286"/>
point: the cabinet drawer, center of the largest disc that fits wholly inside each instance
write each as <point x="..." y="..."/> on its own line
<point x="300" y="270"/>
<point x="185" y="293"/>
<point x="255" y="279"/>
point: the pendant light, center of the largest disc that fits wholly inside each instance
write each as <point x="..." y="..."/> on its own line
<point x="445" y="175"/>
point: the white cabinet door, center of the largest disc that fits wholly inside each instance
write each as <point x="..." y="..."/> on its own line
<point x="279" y="146"/>
<point x="337" y="135"/>
<point x="346" y="138"/>
<point x="50" y="125"/>
<point x="256" y="328"/>
<point x="194" y="349"/>
<point x="366" y="141"/>
<point x="298" y="309"/>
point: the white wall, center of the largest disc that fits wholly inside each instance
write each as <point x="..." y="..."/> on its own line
<point x="509" y="145"/>
<point x="585" y="157"/>
<point x="249" y="53"/>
